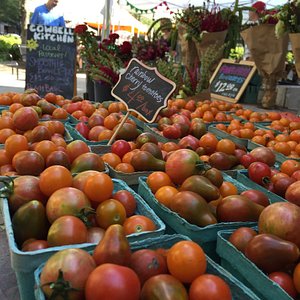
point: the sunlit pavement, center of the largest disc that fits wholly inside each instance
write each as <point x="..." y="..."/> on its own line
<point x="10" y="83"/>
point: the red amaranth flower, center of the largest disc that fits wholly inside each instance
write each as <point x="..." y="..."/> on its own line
<point x="125" y="48"/>
<point x="80" y="29"/>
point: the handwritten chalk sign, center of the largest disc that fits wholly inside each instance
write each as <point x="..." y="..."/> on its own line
<point x="51" y="60"/>
<point x="143" y="90"/>
<point x="230" y="80"/>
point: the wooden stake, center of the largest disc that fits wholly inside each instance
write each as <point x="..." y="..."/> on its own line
<point x="118" y="129"/>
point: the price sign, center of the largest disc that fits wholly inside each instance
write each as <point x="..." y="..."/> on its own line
<point x="143" y="90"/>
<point x="50" y="60"/>
<point x="230" y="79"/>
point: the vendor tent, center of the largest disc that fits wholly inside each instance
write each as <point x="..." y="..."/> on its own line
<point x="120" y="19"/>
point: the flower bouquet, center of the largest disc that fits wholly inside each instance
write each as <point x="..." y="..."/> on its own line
<point x="289" y="22"/>
<point x="103" y="60"/>
<point x="268" y="52"/>
<point x="205" y="25"/>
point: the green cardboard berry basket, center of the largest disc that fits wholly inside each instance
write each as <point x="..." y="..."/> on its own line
<point x="238" y="290"/>
<point x="280" y="158"/>
<point x="96" y="147"/>
<point x="247" y="272"/>
<point x="204" y="236"/>
<point x="225" y="135"/>
<point x="151" y="128"/>
<point x="24" y="263"/>
<point x="242" y="177"/>
<point x="129" y="178"/>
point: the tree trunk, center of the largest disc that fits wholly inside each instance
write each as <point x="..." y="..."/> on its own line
<point x="24" y="20"/>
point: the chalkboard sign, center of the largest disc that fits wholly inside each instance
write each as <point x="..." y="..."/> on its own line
<point x="143" y="90"/>
<point x="230" y="80"/>
<point x="50" y="60"/>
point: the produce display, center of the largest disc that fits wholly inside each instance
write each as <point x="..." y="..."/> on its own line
<point x="202" y="167"/>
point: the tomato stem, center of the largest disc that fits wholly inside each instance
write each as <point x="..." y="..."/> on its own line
<point x="84" y="214"/>
<point x="8" y="186"/>
<point x="60" y="287"/>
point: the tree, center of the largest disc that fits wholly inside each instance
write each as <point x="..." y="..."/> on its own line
<point x="10" y="13"/>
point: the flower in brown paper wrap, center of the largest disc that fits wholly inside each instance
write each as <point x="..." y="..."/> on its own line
<point x="268" y="52"/>
<point x="289" y="22"/>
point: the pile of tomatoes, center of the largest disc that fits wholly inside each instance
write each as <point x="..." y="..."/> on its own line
<point x="178" y="271"/>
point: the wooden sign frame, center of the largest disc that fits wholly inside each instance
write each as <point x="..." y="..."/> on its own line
<point x="244" y="85"/>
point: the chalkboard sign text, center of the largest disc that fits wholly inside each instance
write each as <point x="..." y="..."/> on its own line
<point x="50" y="61"/>
<point x="231" y="79"/>
<point x="143" y="90"/>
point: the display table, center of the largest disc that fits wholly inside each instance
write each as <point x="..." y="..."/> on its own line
<point x="288" y="96"/>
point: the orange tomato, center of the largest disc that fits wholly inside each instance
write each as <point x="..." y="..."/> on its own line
<point x="227" y="188"/>
<point x="99" y="187"/>
<point x="112" y="159"/>
<point x="54" y="178"/>
<point x="165" y="194"/>
<point x="186" y="261"/>
<point x="289" y="166"/>
<point x="157" y="179"/>
<point x="15" y="143"/>
<point x="226" y="146"/>
<point x="124" y="167"/>
<point x="137" y="224"/>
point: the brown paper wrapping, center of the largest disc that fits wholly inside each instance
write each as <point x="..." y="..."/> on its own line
<point x="203" y="95"/>
<point x="268" y="53"/>
<point x="188" y="49"/>
<point x="210" y="39"/>
<point x="295" y="42"/>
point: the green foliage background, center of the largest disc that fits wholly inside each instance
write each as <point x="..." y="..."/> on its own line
<point x="10" y="12"/>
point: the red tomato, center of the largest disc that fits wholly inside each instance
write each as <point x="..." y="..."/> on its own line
<point x="285" y="281"/>
<point x="75" y="148"/>
<point x="34" y="245"/>
<point x="208" y="286"/>
<point x="112" y="282"/>
<point x="259" y="172"/>
<point x="67" y="230"/>
<point x="83" y="129"/>
<point x="66" y="201"/>
<point x="147" y="263"/>
<point x="172" y="132"/>
<point x="257" y="197"/>
<point x="184" y="160"/>
<point x="28" y="163"/>
<point x="120" y="147"/>
<point x="127" y="199"/>
<point x="138" y="223"/>
<point x="241" y="236"/>
<point x="76" y="266"/>
<point x="163" y="286"/>
<point x="25" y="189"/>
<point x="247" y="159"/>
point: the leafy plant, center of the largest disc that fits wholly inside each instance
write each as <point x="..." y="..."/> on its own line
<point x="6" y="45"/>
<point x="103" y="59"/>
<point x="172" y="71"/>
<point x="288" y="18"/>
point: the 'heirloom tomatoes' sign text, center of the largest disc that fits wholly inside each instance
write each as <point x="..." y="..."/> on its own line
<point x="143" y="89"/>
<point x="50" y="59"/>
